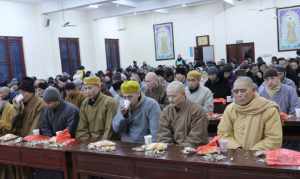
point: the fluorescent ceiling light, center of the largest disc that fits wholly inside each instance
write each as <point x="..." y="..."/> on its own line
<point x="94" y="6"/>
<point x="229" y="2"/>
<point x="163" y="11"/>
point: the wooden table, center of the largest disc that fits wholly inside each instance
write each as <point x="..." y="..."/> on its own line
<point x="42" y="157"/>
<point x="126" y="164"/>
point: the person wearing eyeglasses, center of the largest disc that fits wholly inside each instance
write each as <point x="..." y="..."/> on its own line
<point x="251" y="122"/>
<point x="273" y="89"/>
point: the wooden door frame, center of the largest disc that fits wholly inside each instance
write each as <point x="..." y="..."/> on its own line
<point x="68" y="39"/>
<point x="119" y="57"/>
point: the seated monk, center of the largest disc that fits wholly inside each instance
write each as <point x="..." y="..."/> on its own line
<point x="251" y="122"/>
<point x="182" y="122"/>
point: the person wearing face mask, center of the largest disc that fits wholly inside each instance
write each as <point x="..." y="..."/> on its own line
<point x="182" y="122"/>
<point x="197" y="93"/>
<point x="273" y="89"/>
<point x="28" y="109"/>
<point x="73" y="94"/>
<point x="139" y="117"/>
<point x="96" y="113"/>
<point x="251" y="122"/>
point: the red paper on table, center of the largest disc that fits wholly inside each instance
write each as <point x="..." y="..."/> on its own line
<point x="283" y="157"/>
<point x="211" y="147"/>
<point x="220" y="101"/>
<point x="69" y="142"/>
<point x="62" y="136"/>
<point x="36" y="138"/>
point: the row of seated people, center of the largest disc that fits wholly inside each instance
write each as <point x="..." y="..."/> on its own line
<point x="251" y="122"/>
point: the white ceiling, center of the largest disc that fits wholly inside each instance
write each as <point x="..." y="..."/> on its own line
<point x="112" y="8"/>
<point x="25" y="1"/>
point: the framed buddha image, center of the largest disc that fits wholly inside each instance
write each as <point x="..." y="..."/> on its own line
<point x="288" y="28"/>
<point x="202" y="40"/>
<point x="164" y="41"/>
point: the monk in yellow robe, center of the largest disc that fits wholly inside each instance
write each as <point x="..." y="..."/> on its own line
<point x="251" y="122"/>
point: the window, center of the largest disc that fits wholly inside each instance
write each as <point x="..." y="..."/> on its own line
<point x="11" y="58"/>
<point x="69" y="54"/>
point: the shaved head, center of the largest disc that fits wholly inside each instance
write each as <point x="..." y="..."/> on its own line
<point x="176" y="93"/>
<point x="151" y="80"/>
<point x="176" y="86"/>
<point x="243" y="90"/>
<point x="246" y="82"/>
<point x="151" y="76"/>
<point x="4" y="92"/>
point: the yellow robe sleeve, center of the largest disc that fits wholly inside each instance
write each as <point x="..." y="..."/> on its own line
<point x="225" y="129"/>
<point x="273" y="132"/>
<point x="110" y="113"/>
<point x="6" y="121"/>
<point x="82" y="132"/>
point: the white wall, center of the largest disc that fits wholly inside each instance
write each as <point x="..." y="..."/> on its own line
<point x="41" y="47"/>
<point x="20" y="20"/>
<point x="102" y="29"/>
<point x="82" y="30"/>
<point x="224" y="25"/>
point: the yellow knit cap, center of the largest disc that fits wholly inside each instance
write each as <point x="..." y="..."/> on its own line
<point x="129" y="87"/>
<point x="92" y="81"/>
<point x="194" y="74"/>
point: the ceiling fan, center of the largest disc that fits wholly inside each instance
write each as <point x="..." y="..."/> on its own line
<point x="68" y="24"/>
<point x="65" y="23"/>
<point x="261" y="10"/>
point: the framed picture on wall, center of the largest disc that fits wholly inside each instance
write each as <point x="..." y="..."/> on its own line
<point x="288" y="28"/>
<point x="164" y="41"/>
<point x="202" y="40"/>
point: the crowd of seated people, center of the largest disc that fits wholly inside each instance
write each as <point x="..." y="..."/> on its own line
<point x="170" y="103"/>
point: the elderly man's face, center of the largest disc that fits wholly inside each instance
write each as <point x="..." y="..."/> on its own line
<point x="175" y="98"/>
<point x="132" y="97"/>
<point x="3" y="95"/>
<point x="193" y="83"/>
<point x="272" y="82"/>
<point x="91" y="91"/>
<point x="242" y="93"/>
<point x="150" y="82"/>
